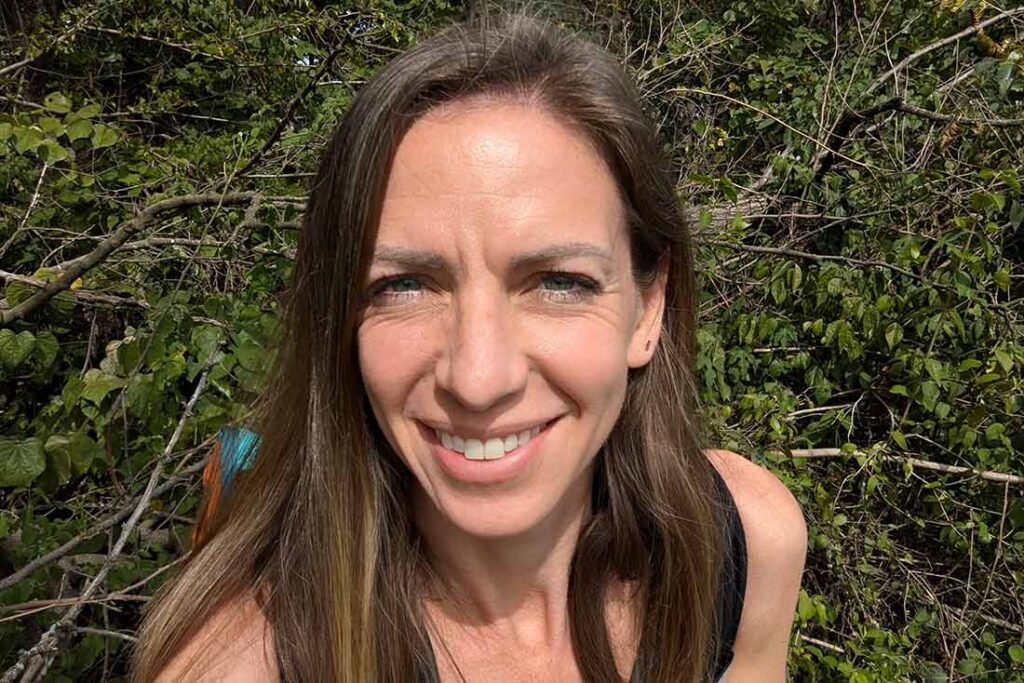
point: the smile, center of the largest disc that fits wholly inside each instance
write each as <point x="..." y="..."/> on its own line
<point x="488" y="449"/>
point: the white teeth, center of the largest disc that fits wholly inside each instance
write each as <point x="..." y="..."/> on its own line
<point x="474" y="449"/>
<point x="494" y="448"/>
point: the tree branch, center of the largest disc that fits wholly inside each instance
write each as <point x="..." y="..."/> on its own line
<point x="116" y="240"/>
<point x="36" y="660"/>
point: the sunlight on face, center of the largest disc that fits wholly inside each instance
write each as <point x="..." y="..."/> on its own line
<point x="500" y="300"/>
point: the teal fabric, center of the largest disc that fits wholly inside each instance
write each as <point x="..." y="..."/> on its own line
<point x="238" y="447"/>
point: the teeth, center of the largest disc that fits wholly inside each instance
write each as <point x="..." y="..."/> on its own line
<point x="474" y="449"/>
<point x="492" y="449"/>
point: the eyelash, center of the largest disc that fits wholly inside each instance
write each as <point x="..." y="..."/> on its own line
<point x="587" y="287"/>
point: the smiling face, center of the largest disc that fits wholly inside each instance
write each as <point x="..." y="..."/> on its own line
<point x="501" y="307"/>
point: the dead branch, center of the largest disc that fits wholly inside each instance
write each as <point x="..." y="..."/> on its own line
<point x="116" y="240"/>
<point x="98" y="528"/>
<point x="913" y="57"/>
<point x="36" y="660"/>
<point x="917" y="463"/>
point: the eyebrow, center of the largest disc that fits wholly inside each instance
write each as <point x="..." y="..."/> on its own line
<point x="434" y="261"/>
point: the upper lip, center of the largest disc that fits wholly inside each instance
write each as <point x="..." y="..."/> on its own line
<point x="491" y="433"/>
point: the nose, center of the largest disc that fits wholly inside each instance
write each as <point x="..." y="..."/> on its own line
<point x="484" y="364"/>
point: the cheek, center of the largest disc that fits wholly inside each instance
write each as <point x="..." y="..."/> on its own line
<point x="587" y="359"/>
<point x="391" y="359"/>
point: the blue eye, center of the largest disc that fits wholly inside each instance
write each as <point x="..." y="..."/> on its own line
<point x="395" y="288"/>
<point x="570" y="287"/>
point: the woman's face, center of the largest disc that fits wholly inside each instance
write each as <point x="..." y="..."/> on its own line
<point x="502" y="314"/>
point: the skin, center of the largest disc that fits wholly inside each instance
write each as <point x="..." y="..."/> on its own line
<point x="476" y="342"/>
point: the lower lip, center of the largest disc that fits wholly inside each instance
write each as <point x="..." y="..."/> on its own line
<point x="486" y="472"/>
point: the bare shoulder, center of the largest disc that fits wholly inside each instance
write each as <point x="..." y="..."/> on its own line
<point x="776" y="535"/>
<point x="235" y="645"/>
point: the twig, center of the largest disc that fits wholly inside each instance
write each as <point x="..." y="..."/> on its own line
<point x="996" y="477"/>
<point x="116" y="239"/>
<point x="36" y="660"/>
<point x="105" y="633"/>
<point x="28" y="212"/>
<point x="822" y="643"/>
<point x="913" y="57"/>
<point x="293" y="105"/>
<point x="779" y="251"/>
<point x="99" y="528"/>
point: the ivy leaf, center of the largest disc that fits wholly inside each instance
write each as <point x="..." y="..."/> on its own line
<point x="52" y="152"/>
<point x="57" y="102"/>
<point x="27" y="139"/>
<point x="103" y="136"/>
<point x="78" y="130"/>
<point x="20" y="461"/>
<point x="98" y="384"/>
<point x="47" y="349"/>
<point x="15" y="348"/>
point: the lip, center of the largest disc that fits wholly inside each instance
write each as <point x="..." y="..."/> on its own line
<point x="486" y="472"/>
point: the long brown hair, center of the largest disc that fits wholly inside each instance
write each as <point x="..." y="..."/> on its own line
<point x="321" y="522"/>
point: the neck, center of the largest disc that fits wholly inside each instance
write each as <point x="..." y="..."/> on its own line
<point x="512" y="586"/>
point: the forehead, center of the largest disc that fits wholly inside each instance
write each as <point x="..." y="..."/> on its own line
<point x="498" y="174"/>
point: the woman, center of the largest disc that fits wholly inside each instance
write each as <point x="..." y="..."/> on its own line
<point x="481" y="454"/>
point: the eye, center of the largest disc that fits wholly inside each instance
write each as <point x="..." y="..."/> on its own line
<point x="569" y="287"/>
<point x="394" y="289"/>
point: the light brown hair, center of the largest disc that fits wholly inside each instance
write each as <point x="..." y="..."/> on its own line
<point x="321" y="521"/>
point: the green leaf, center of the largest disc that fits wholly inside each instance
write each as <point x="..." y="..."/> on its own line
<point x="57" y="454"/>
<point x="1016" y="653"/>
<point x="51" y="152"/>
<point x="98" y="384"/>
<point x="47" y="349"/>
<point x="1004" y="360"/>
<point x="78" y="130"/>
<point x="57" y="102"/>
<point x="15" y="349"/>
<point x="899" y="439"/>
<point x="20" y="461"/>
<point x="88" y="111"/>
<point x="27" y="139"/>
<point x="51" y="126"/>
<point x="82" y="451"/>
<point x="893" y="335"/>
<point x="103" y="136"/>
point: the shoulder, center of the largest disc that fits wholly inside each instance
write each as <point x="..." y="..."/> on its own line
<point x="776" y="536"/>
<point x="235" y="645"/>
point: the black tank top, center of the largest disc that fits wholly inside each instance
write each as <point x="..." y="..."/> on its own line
<point x="729" y="604"/>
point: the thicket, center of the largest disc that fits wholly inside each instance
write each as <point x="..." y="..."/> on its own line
<point x="853" y="175"/>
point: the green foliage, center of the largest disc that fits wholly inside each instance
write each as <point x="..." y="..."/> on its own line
<point x="870" y="304"/>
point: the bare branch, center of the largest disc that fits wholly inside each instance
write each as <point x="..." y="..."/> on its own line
<point x="116" y="240"/>
<point x="36" y="660"/>
<point x="913" y="57"/>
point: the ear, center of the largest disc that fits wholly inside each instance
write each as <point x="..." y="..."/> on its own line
<point x="647" y="331"/>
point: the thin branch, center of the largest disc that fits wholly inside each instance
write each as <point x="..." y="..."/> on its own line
<point x="780" y="251"/>
<point x="59" y="552"/>
<point x="294" y="104"/>
<point x="116" y="240"/>
<point x="917" y="463"/>
<point x="913" y="57"/>
<point x="36" y="660"/>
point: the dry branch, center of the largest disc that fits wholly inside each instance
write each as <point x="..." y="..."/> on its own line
<point x="917" y="463"/>
<point x="36" y="660"/>
<point x="116" y="240"/>
<point x="913" y="57"/>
